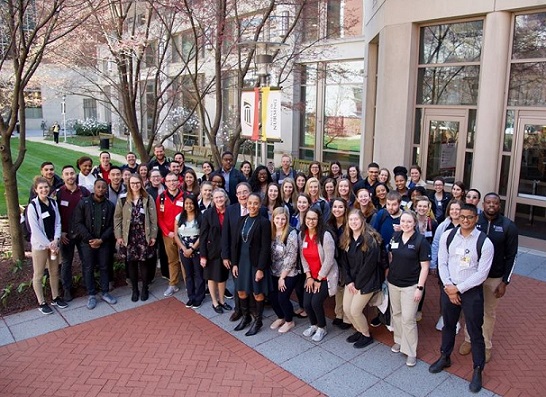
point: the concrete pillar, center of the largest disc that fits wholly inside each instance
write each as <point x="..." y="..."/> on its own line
<point x="491" y="101"/>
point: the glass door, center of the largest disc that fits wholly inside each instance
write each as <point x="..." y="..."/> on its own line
<point x="528" y="207"/>
<point x="445" y="143"/>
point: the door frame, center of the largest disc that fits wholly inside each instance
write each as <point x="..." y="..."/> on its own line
<point x="445" y="114"/>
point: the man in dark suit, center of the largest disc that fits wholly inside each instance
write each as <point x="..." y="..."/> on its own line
<point x="231" y="223"/>
<point x="231" y="175"/>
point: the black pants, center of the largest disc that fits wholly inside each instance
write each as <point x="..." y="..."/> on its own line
<point x="280" y="300"/>
<point x="67" y="257"/>
<point x="56" y="137"/>
<point x="313" y="303"/>
<point x="163" y="260"/>
<point x="96" y="257"/>
<point x="472" y="307"/>
<point x="133" y="270"/>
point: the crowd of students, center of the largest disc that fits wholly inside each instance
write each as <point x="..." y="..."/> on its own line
<point x="365" y="240"/>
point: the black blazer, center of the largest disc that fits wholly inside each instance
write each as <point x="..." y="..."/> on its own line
<point x="210" y="235"/>
<point x="230" y="228"/>
<point x="260" y="243"/>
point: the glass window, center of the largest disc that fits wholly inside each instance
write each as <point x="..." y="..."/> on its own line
<point x="527" y="84"/>
<point x="470" y="136"/>
<point x="529" y="36"/>
<point x="451" y="43"/>
<point x="345" y="159"/>
<point x="530" y="220"/>
<point x="448" y="85"/>
<point x="442" y="149"/>
<point x="343" y="106"/>
<point x="308" y="97"/>
<point x="504" y="175"/>
<point x="533" y="161"/>
<point x="310" y="21"/>
<point x="89" y="108"/>
<point x="33" y="104"/>
<point x="509" y="131"/>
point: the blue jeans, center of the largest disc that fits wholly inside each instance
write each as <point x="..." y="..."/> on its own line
<point x="67" y="257"/>
<point x="280" y="300"/>
<point x="101" y="258"/>
<point x="195" y="283"/>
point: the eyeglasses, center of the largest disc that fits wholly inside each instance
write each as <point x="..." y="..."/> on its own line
<point x="229" y="159"/>
<point x="243" y="193"/>
<point x="134" y="183"/>
<point x="472" y="197"/>
<point x="312" y="219"/>
<point x="171" y="180"/>
<point x="466" y="217"/>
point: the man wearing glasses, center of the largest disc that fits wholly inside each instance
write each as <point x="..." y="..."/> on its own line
<point x="169" y="204"/>
<point x="463" y="269"/>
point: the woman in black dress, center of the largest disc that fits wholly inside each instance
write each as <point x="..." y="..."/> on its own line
<point x="214" y="272"/>
<point x="251" y="262"/>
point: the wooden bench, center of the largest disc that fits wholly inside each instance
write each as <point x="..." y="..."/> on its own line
<point x="199" y="154"/>
<point x="110" y="137"/>
<point x="303" y="166"/>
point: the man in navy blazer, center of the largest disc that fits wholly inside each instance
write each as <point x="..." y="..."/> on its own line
<point x="231" y="175"/>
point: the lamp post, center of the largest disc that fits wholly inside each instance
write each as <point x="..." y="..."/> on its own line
<point x="263" y="57"/>
<point x="63" y="111"/>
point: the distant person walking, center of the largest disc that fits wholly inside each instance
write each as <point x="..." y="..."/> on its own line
<point x="56" y="128"/>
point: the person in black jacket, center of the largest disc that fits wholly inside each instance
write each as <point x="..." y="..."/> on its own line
<point x="363" y="275"/>
<point x="503" y="233"/>
<point x="93" y="225"/>
<point x="251" y="263"/>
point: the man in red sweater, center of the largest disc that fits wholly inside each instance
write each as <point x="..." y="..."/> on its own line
<point x="169" y="204"/>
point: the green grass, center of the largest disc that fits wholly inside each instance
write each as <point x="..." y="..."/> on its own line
<point x="36" y="154"/>
<point x="119" y="147"/>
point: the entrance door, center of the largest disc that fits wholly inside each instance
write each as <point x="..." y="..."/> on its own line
<point x="527" y="202"/>
<point x="445" y="143"/>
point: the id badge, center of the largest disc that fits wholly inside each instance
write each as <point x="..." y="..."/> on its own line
<point x="304" y="245"/>
<point x="142" y="211"/>
<point x="64" y="203"/>
<point x="394" y="246"/>
<point x="464" y="263"/>
<point x="45" y="215"/>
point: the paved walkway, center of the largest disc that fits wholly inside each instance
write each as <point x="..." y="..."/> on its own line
<point x="162" y="348"/>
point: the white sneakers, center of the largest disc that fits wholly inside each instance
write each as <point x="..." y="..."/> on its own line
<point x="171" y="290"/>
<point x="319" y="335"/>
<point x="310" y="331"/>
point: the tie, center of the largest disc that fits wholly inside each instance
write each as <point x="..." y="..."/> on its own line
<point x="244" y="211"/>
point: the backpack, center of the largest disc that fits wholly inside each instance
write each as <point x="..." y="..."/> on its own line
<point x="25" y="225"/>
<point x="479" y="243"/>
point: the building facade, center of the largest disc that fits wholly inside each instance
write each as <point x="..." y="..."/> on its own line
<point x="461" y="88"/>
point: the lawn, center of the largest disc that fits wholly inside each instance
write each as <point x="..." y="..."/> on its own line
<point x="119" y="147"/>
<point x="36" y="154"/>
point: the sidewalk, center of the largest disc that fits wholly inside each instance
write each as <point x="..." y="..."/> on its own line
<point x="159" y="347"/>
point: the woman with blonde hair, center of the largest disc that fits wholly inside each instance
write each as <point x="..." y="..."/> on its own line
<point x="364" y="203"/>
<point x="312" y="188"/>
<point x="135" y="229"/>
<point x="289" y="194"/>
<point x="362" y="273"/>
<point x="284" y="269"/>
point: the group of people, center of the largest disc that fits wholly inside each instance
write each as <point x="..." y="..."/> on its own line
<point x="356" y="238"/>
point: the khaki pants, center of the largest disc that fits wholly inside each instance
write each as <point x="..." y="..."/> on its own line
<point x="353" y="305"/>
<point x="490" y="302"/>
<point x="403" y="311"/>
<point x="175" y="268"/>
<point x="40" y="261"/>
<point x="338" y="309"/>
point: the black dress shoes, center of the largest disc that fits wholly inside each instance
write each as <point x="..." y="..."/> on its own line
<point x="443" y="362"/>
<point x="476" y="382"/>
<point x="236" y="315"/>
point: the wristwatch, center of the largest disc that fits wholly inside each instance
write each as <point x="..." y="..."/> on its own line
<point x="420" y="287"/>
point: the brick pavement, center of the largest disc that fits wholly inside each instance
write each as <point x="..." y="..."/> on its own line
<point x="518" y="363"/>
<point x="160" y="349"/>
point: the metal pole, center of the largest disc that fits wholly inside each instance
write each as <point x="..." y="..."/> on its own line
<point x="64" y="117"/>
<point x="263" y="83"/>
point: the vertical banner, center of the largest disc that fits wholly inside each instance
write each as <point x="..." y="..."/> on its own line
<point x="250" y="105"/>
<point x="271" y="113"/>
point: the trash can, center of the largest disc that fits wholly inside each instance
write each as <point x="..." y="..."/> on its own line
<point x="105" y="144"/>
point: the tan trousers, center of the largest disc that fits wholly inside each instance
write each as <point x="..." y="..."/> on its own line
<point x="175" y="268"/>
<point x="353" y="305"/>
<point x="490" y="303"/>
<point x="40" y="261"/>
<point x="338" y="309"/>
<point x="403" y="311"/>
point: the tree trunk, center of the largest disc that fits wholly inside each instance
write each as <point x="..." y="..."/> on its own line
<point x="12" y="200"/>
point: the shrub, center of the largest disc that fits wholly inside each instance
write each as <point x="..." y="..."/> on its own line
<point x="90" y="127"/>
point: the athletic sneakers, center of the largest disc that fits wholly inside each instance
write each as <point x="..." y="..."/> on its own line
<point x="171" y="290"/>
<point x="376" y="322"/>
<point x="189" y="303"/>
<point x="411" y="361"/>
<point x="319" y="335"/>
<point x="363" y="342"/>
<point x="45" y="309"/>
<point x="91" y="302"/>
<point x="228" y="294"/>
<point x="395" y="348"/>
<point x="59" y="302"/>
<point x="310" y="331"/>
<point x="109" y="299"/>
<point x="196" y="305"/>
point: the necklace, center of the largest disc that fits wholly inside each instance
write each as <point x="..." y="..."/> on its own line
<point x="245" y="238"/>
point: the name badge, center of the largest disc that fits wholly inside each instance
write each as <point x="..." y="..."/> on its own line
<point x="464" y="263"/>
<point x="162" y="207"/>
<point x="304" y="245"/>
<point x="180" y="203"/>
<point x="460" y="251"/>
<point x="428" y="233"/>
<point x="156" y="167"/>
<point x="122" y="195"/>
<point x="142" y="211"/>
<point x="394" y="246"/>
<point x="64" y="203"/>
<point x="404" y="203"/>
<point x="45" y="215"/>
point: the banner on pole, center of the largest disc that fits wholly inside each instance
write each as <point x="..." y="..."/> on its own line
<point x="271" y="113"/>
<point x="250" y="117"/>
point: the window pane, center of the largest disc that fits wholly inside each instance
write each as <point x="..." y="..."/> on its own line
<point x="457" y="42"/>
<point x="307" y="154"/>
<point x="448" y="85"/>
<point x="509" y="131"/>
<point x="442" y="149"/>
<point x="504" y="173"/>
<point x="343" y="117"/>
<point x="533" y="163"/>
<point x="345" y="72"/>
<point x="344" y="158"/>
<point x="527" y="84"/>
<point x="529" y="36"/>
<point x="309" y="120"/>
<point x="531" y="220"/>
<point x="469" y="157"/>
<point x="471" y="129"/>
<point x="417" y="131"/>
